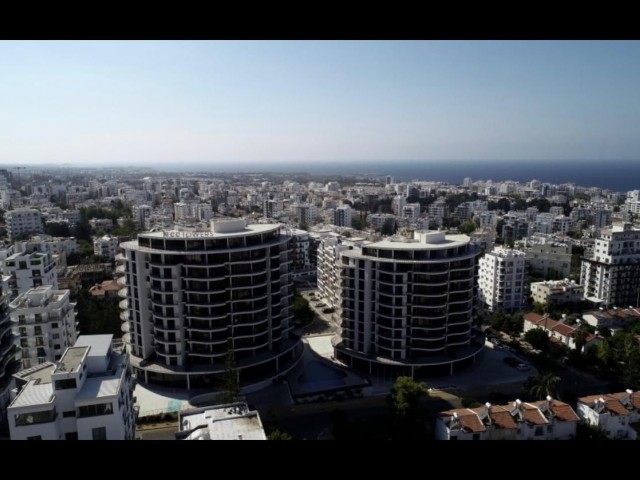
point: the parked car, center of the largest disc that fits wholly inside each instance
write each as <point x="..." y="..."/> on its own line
<point x="523" y="367"/>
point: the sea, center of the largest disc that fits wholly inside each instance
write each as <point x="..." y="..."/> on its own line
<point x="613" y="175"/>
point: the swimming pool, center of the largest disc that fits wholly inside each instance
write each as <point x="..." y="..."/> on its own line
<point x="319" y="376"/>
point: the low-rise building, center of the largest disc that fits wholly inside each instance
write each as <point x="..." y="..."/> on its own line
<point x="223" y="422"/>
<point x="87" y="395"/>
<point x="106" y="246"/>
<point x="557" y="292"/>
<point x="30" y="270"/>
<point x="613" y="318"/>
<point x="617" y="415"/>
<point x="22" y="221"/>
<point x="558" y="332"/>
<point x="548" y="419"/>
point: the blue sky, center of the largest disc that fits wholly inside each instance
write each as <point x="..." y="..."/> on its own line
<point x="160" y="102"/>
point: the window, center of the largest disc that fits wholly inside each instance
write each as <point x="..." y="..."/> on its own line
<point x="539" y="431"/>
<point x="69" y="413"/>
<point x="95" y="410"/>
<point x="99" y="433"/>
<point x="476" y="436"/>
<point x="65" y="384"/>
<point x="71" y="436"/>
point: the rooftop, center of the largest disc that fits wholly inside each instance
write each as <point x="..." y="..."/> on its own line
<point x="225" y="422"/>
<point x="97" y="387"/>
<point x="34" y="393"/>
<point x="99" y="344"/>
<point x="72" y="359"/>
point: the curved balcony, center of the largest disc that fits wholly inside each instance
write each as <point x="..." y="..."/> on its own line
<point x="125" y="327"/>
<point x="124" y="304"/>
<point x="126" y="338"/>
<point x="455" y="342"/>
<point x="122" y="293"/>
<point x="120" y="257"/>
<point x="122" y="281"/>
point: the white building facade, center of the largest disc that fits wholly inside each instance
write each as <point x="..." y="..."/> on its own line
<point x="22" y="221"/>
<point x="30" y="270"/>
<point x="87" y="395"/>
<point x="44" y="321"/>
<point x="501" y="280"/>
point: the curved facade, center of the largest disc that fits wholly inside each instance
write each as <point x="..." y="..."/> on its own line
<point x="190" y="297"/>
<point x="407" y="306"/>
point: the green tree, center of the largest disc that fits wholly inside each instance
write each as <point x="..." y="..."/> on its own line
<point x="604" y="354"/>
<point x="406" y="396"/>
<point x="301" y="309"/>
<point x="545" y="384"/>
<point x="277" y="434"/>
<point x="468" y="227"/>
<point x="388" y="227"/>
<point x="230" y="391"/>
<point x="538" y="338"/>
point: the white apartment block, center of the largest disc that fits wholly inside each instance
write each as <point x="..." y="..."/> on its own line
<point x="272" y="208"/>
<point x="376" y="220"/>
<point x="22" y="221"/>
<point x="487" y="219"/>
<point x="29" y="270"/>
<point x="204" y="212"/>
<point x="87" y="395"/>
<point x="105" y="246"/>
<point x="411" y="211"/>
<point x="550" y="260"/>
<point x="8" y="363"/>
<point x="44" y="321"/>
<point x="184" y="210"/>
<point x="63" y="246"/>
<point x="558" y="292"/>
<point x="305" y="213"/>
<point x="548" y="419"/>
<point x="398" y="203"/>
<point x="502" y="280"/>
<point x="342" y="216"/>
<point x="98" y="224"/>
<point x="611" y="274"/>
<point x="328" y="255"/>
<point x="140" y="214"/>
<point x="222" y="422"/>
<point x="615" y="414"/>
<point x="302" y="262"/>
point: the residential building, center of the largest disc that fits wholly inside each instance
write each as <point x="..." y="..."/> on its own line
<point x="406" y="305"/>
<point x="107" y="289"/>
<point x="44" y="320"/>
<point x="550" y="260"/>
<point x="301" y="253"/>
<point x="557" y="292"/>
<point x="29" y="270"/>
<point x="22" y="221"/>
<point x="616" y="415"/>
<point x="305" y="213"/>
<point x="613" y="318"/>
<point x="611" y="274"/>
<point x="548" y="419"/>
<point x="272" y="208"/>
<point x="87" y="395"/>
<point x="342" y="216"/>
<point x="194" y="296"/>
<point x="411" y="211"/>
<point x="377" y="220"/>
<point x="101" y="224"/>
<point x="140" y="214"/>
<point x="501" y="280"/>
<point x="328" y="266"/>
<point x="222" y="422"/>
<point x="558" y="332"/>
<point x="8" y="362"/>
<point x="438" y="211"/>
<point x="105" y="246"/>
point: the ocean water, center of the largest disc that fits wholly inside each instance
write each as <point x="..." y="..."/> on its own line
<point x="615" y="175"/>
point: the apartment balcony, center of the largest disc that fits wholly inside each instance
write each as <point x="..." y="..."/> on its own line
<point x="125" y="327"/>
<point x="124" y="304"/>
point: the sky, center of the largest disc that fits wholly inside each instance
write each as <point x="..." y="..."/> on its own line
<point x="154" y="103"/>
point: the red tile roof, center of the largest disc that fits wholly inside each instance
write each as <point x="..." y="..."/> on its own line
<point x="532" y="414"/>
<point x="468" y="419"/>
<point x="562" y="411"/>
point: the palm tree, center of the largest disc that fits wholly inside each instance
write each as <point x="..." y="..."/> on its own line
<point x="545" y="384"/>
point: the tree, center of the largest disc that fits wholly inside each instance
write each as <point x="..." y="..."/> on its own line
<point x="406" y="395"/>
<point x="388" y="227"/>
<point x="301" y="309"/>
<point x="230" y="391"/>
<point x="545" y="384"/>
<point x="538" y="338"/>
<point x="468" y="227"/>
<point x="278" y="435"/>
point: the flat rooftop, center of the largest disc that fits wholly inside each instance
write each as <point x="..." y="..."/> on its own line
<point x="98" y="387"/>
<point x="33" y="394"/>
<point x="41" y="372"/>
<point x="72" y="359"/>
<point x="99" y="344"/>
<point x="228" y="422"/>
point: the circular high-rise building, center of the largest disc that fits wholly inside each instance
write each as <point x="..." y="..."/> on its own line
<point x="193" y="297"/>
<point x="407" y="305"/>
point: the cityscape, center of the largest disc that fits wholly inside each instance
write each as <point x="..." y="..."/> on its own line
<point x="306" y="240"/>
